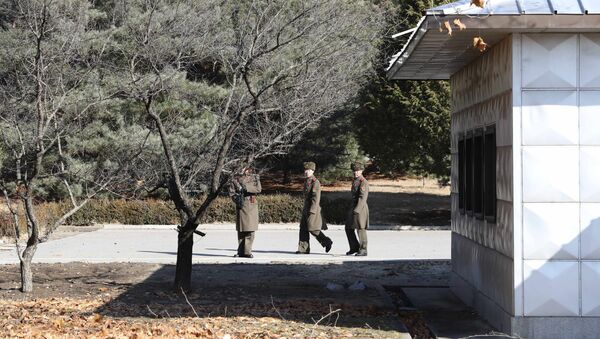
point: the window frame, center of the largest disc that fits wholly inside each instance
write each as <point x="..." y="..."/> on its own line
<point x="490" y="163"/>
<point x="461" y="172"/>
<point x="477" y="177"/>
<point x="478" y="174"/>
<point x="469" y="173"/>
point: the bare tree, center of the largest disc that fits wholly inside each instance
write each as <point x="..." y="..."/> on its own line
<point x="247" y="77"/>
<point x="48" y="93"/>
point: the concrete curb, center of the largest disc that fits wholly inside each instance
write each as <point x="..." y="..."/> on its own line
<point x="286" y="226"/>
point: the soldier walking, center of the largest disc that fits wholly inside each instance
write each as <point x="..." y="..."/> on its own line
<point x="243" y="190"/>
<point x="358" y="216"/>
<point x="311" y="220"/>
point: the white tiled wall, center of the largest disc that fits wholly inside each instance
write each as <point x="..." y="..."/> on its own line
<point x="559" y="213"/>
<point x="590" y="173"/>
<point x="550" y="118"/>
<point x="550" y="173"/>
<point x="590" y="232"/>
<point x="551" y="288"/>
<point x="590" y="49"/>
<point x="589" y="117"/>
<point x="549" y="62"/>
<point x="551" y="230"/>
<point x="590" y="275"/>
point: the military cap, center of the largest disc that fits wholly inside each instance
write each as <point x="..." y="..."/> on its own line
<point x="310" y="165"/>
<point x="357" y="166"/>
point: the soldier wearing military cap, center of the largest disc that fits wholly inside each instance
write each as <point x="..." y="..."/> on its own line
<point x="311" y="220"/>
<point x="243" y="190"/>
<point x="358" y="215"/>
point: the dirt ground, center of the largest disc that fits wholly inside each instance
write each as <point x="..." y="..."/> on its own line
<point x="242" y="300"/>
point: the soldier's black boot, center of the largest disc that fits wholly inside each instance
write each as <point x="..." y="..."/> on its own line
<point x="351" y="252"/>
<point x="328" y="245"/>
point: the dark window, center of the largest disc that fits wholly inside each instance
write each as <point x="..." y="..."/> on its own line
<point x="461" y="173"/>
<point x="469" y="172"/>
<point x="478" y="173"/>
<point x="490" y="174"/>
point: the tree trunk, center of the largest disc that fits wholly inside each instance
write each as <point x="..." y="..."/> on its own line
<point x="26" y="271"/>
<point x="183" y="270"/>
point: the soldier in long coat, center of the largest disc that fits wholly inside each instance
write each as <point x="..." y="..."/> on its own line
<point x="243" y="190"/>
<point x="358" y="215"/>
<point x="311" y="220"/>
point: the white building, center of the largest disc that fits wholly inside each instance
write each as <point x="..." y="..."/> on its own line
<point x="525" y="158"/>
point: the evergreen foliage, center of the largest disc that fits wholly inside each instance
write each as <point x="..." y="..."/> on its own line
<point x="404" y="126"/>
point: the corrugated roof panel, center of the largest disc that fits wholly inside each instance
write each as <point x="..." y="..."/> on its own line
<point x="465" y="7"/>
<point x="591" y="6"/>
<point x="535" y="7"/>
<point x="517" y="7"/>
<point x="566" y="7"/>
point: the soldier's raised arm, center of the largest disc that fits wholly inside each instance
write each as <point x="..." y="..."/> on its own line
<point x="253" y="185"/>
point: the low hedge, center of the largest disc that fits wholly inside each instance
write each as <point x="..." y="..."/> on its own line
<point x="273" y="208"/>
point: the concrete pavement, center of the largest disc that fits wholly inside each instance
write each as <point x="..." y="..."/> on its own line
<point x="273" y="244"/>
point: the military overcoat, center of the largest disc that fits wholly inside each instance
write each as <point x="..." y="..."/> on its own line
<point x="247" y="215"/>
<point x="358" y="215"/>
<point x="311" y="213"/>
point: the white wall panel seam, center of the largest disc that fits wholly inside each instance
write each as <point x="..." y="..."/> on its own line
<point x="578" y="67"/>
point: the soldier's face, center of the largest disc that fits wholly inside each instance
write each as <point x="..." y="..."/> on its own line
<point x="357" y="174"/>
<point x="308" y="172"/>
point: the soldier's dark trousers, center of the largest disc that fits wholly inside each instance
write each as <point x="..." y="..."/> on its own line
<point x="360" y="244"/>
<point x="304" y="243"/>
<point x="245" y="240"/>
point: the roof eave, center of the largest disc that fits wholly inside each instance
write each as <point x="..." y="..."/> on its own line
<point x="412" y="43"/>
<point x="505" y="24"/>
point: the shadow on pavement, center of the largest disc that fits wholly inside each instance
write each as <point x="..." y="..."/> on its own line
<point x="195" y="254"/>
<point x="234" y="250"/>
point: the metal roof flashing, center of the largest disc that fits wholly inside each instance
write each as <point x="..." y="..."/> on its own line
<point x="433" y="55"/>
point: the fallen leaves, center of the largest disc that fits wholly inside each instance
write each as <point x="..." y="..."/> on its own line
<point x="457" y="23"/>
<point x="478" y="3"/>
<point x="448" y="27"/>
<point x="77" y="318"/>
<point x="479" y="43"/>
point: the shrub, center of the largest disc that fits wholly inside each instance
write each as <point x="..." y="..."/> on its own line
<point x="273" y="208"/>
<point x="335" y="210"/>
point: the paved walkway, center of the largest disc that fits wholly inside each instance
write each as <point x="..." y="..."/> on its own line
<point x="273" y="243"/>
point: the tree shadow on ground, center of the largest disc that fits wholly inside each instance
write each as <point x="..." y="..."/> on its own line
<point x="294" y="292"/>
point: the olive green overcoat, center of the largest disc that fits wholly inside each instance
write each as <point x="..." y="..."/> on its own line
<point x="311" y="213"/>
<point x="247" y="215"/>
<point x="358" y="215"/>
